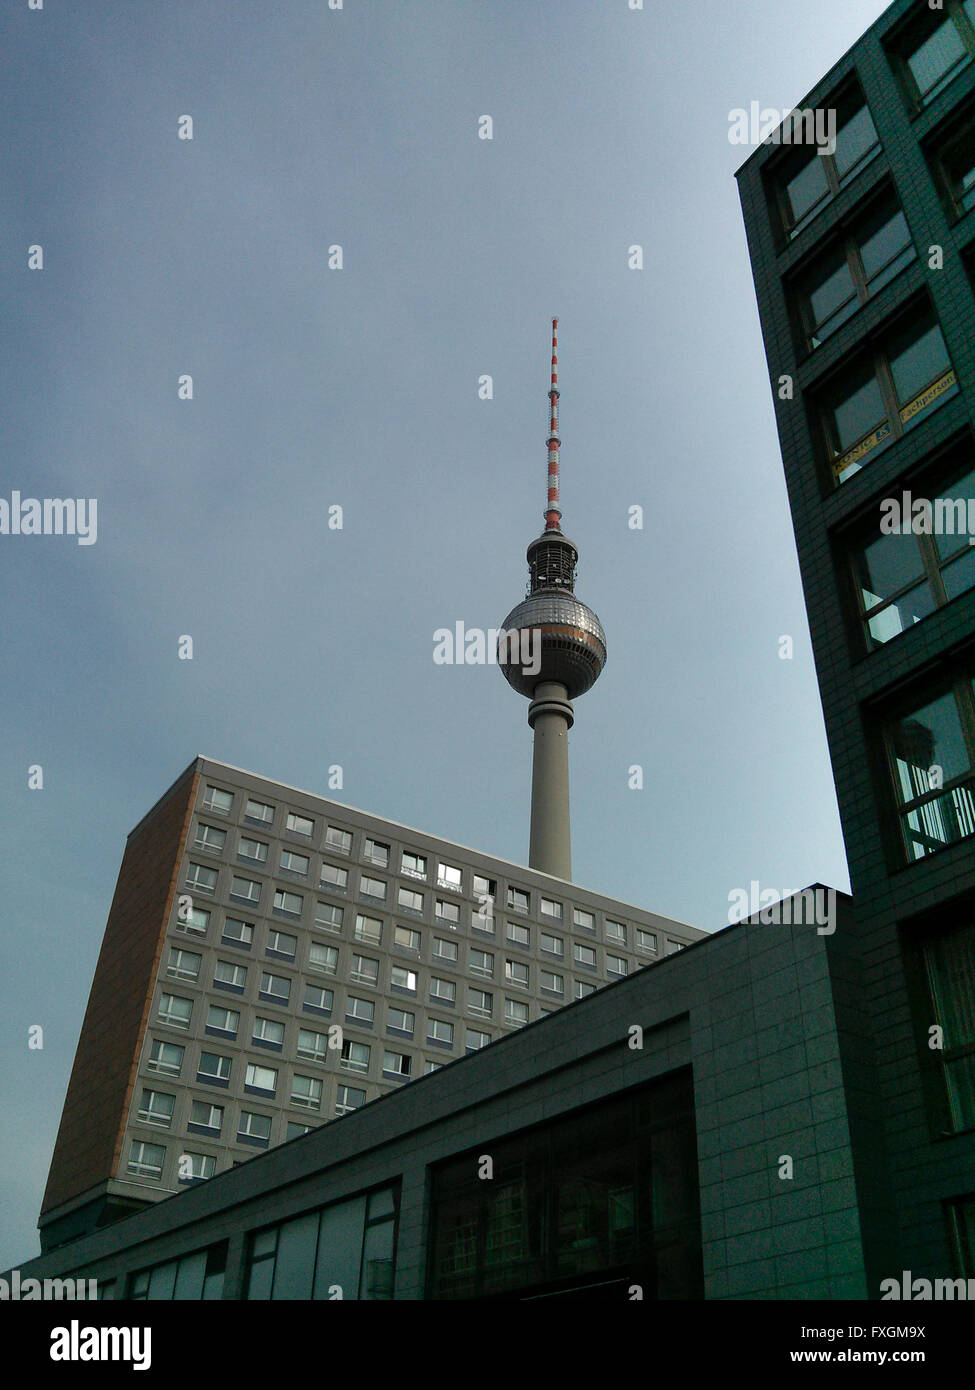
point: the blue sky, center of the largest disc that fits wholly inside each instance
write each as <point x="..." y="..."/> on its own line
<point x="358" y="387"/>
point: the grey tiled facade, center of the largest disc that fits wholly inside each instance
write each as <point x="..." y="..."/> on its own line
<point x="316" y="957"/>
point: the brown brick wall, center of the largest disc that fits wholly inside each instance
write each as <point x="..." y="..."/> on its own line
<point x="86" y="1152"/>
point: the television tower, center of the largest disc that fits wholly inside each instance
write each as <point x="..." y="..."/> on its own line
<point x="566" y="651"/>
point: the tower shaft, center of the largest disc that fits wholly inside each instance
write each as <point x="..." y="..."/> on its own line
<point x="550" y="716"/>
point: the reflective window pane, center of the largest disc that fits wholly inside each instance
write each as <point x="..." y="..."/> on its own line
<point x="919" y="363"/>
<point x="884" y="246"/>
<point x="858" y="413"/>
<point x="807" y="188"/>
<point x="887" y="565"/>
<point x="854" y="139"/>
<point x="935" y="60"/>
<point x="930" y="737"/>
<point x="955" y="514"/>
<point x="959" y="575"/>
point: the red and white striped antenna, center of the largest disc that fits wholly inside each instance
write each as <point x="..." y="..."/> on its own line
<point x="552" y="513"/>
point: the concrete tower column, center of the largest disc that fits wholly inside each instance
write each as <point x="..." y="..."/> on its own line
<point x="550" y="716"/>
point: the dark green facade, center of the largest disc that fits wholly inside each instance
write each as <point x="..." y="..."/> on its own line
<point x="858" y="266"/>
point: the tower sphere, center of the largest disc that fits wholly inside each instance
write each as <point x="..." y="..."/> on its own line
<point x="573" y="644"/>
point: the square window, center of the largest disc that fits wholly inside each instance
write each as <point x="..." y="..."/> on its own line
<point x="192" y="919"/>
<point x="259" y="811"/>
<point x="334" y="878"/>
<point x="518" y="935"/>
<point x="449" y="877"/>
<point x="515" y="1011"/>
<point x="200" y="879"/>
<point x="238" y="933"/>
<point x="481" y="962"/>
<point x="306" y="1091"/>
<point x="646" y="941"/>
<point x="292" y="863"/>
<point x="439" y="1031"/>
<point x="447" y="912"/>
<point x="268" y="1032"/>
<point x="360" y="1010"/>
<point x="299" y="825"/>
<point x="184" y="965"/>
<point x="348" y="1098"/>
<point x="260" y="1078"/>
<point x="328" y="917"/>
<point x="281" y="943"/>
<point x="555" y="984"/>
<point x="397" y="1064"/>
<point x="517" y="900"/>
<point x="254" y="850"/>
<point x="355" y="1056"/>
<point x="214" y="1069"/>
<point x="275" y="988"/>
<point x="218" y="800"/>
<point x="372" y="888"/>
<point x="323" y="958"/>
<point x="443" y="991"/>
<point x="615" y="965"/>
<point x="475" y="1040"/>
<point x="376" y="852"/>
<point x="365" y="970"/>
<point x="407" y="939"/>
<point x="196" y="1167"/>
<point x="312" y="1046"/>
<point x="401" y="978"/>
<point x="146" y="1160"/>
<point x="227" y="974"/>
<point x="254" y="1129"/>
<point x="516" y="973"/>
<point x="414" y="865"/>
<point x="368" y="929"/>
<point x="210" y="838"/>
<point x="582" y="918"/>
<point x="156" y="1108"/>
<point x="584" y="955"/>
<point x="399" y="1019"/>
<point x="444" y="950"/>
<point x="288" y="903"/>
<point x="175" y="1010"/>
<point x="166" y="1058"/>
<point x="409" y="900"/>
<point x="246" y="890"/>
<point x="552" y="945"/>
<point x="318" y="999"/>
<point x="204" y="1116"/>
<point x="220" y="1020"/>
<point x="338" y="840"/>
<point x="550" y="908"/>
<point x="480" y="1002"/>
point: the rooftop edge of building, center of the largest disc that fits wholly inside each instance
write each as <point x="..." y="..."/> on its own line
<point x="202" y="764"/>
<point x="890" y="18"/>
